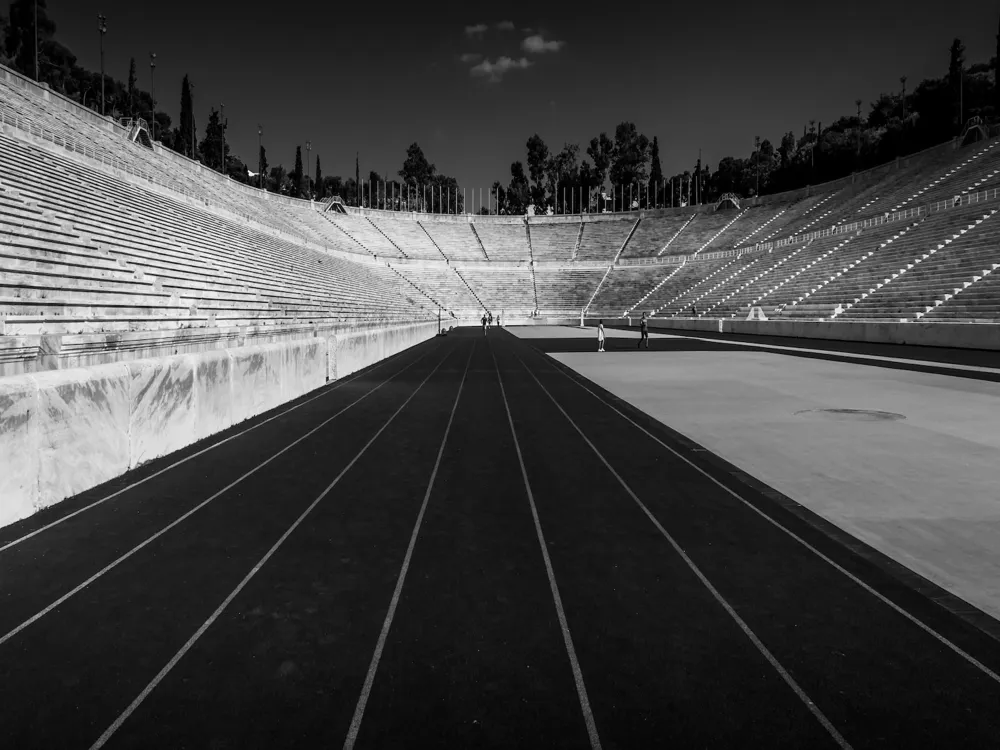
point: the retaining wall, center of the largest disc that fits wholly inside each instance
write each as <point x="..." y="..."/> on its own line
<point x="65" y="431"/>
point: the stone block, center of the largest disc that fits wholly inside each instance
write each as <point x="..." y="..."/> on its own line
<point x="304" y="368"/>
<point x="19" y="464"/>
<point x="256" y="379"/>
<point x="162" y="407"/>
<point x="213" y="394"/>
<point x="82" y="430"/>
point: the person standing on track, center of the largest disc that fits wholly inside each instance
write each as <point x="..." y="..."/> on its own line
<point x="643" y="332"/>
<point x="489" y="318"/>
<point x="600" y="335"/>
<point x="484" y="324"/>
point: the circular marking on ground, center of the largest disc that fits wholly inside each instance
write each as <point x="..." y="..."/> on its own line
<point x="852" y="415"/>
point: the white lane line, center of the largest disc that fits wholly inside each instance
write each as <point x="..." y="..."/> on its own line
<point x="782" y="672"/>
<point x="110" y="566"/>
<point x="68" y="516"/>
<point x="359" y="711"/>
<point x="581" y="688"/>
<point x="116" y="724"/>
<point x="899" y="610"/>
<point x="848" y="355"/>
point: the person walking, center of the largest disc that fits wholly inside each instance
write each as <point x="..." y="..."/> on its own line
<point x="600" y="335"/>
<point x="484" y="324"/>
<point x="643" y="332"/>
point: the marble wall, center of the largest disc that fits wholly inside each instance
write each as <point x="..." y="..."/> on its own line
<point x="18" y="447"/>
<point x="351" y="351"/>
<point x="65" y="431"/>
<point x="83" y="430"/>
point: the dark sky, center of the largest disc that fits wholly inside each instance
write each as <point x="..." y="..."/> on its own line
<point x="376" y="76"/>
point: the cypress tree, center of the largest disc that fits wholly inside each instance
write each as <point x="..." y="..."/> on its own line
<point x="183" y="142"/>
<point x="131" y="88"/>
<point x="297" y="173"/>
<point x="655" y="169"/>
<point x="319" y="179"/>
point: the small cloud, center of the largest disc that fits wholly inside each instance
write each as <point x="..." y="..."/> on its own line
<point x="479" y="28"/>
<point x="471" y="57"/>
<point x="505" y="26"/>
<point x="495" y="70"/>
<point x="537" y="45"/>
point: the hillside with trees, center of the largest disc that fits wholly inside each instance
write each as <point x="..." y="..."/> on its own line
<point x="624" y="166"/>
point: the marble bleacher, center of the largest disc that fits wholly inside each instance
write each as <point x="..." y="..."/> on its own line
<point x="84" y="251"/>
<point x="504" y="241"/>
<point x="408" y="235"/>
<point x="443" y="285"/>
<point x="960" y="246"/>
<point x="701" y="231"/>
<point x="85" y="248"/>
<point x="456" y="239"/>
<point x="565" y="290"/>
<point x="618" y="292"/>
<point x="508" y="289"/>
<point x="654" y="233"/>
<point x="555" y="242"/>
<point x="601" y="240"/>
<point x="666" y="299"/>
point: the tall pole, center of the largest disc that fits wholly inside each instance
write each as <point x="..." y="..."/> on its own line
<point x="102" y="28"/>
<point x="152" y="89"/>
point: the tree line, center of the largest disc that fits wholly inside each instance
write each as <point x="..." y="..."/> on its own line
<point x="896" y="124"/>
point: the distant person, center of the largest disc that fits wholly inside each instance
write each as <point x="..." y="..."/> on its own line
<point x="600" y="335"/>
<point x="489" y="318"/>
<point x="643" y="332"/>
<point x="484" y="325"/>
<point x="694" y="311"/>
<point x="499" y="324"/>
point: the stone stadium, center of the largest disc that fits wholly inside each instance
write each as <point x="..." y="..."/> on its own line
<point x="266" y="480"/>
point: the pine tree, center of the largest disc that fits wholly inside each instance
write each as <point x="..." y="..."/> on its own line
<point x="211" y="146"/>
<point x="296" y="175"/>
<point x="319" y="179"/>
<point x="132" y="91"/>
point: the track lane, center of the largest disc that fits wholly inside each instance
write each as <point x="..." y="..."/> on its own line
<point x="82" y="664"/>
<point x="664" y="663"/>
<point x="47" y="566"/>
<point x="283" y="665"/>
<point x="862" y="662"/>
<point x="475" y="655"/>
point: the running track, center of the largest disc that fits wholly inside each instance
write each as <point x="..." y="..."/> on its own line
<point x="466" y="545"/>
